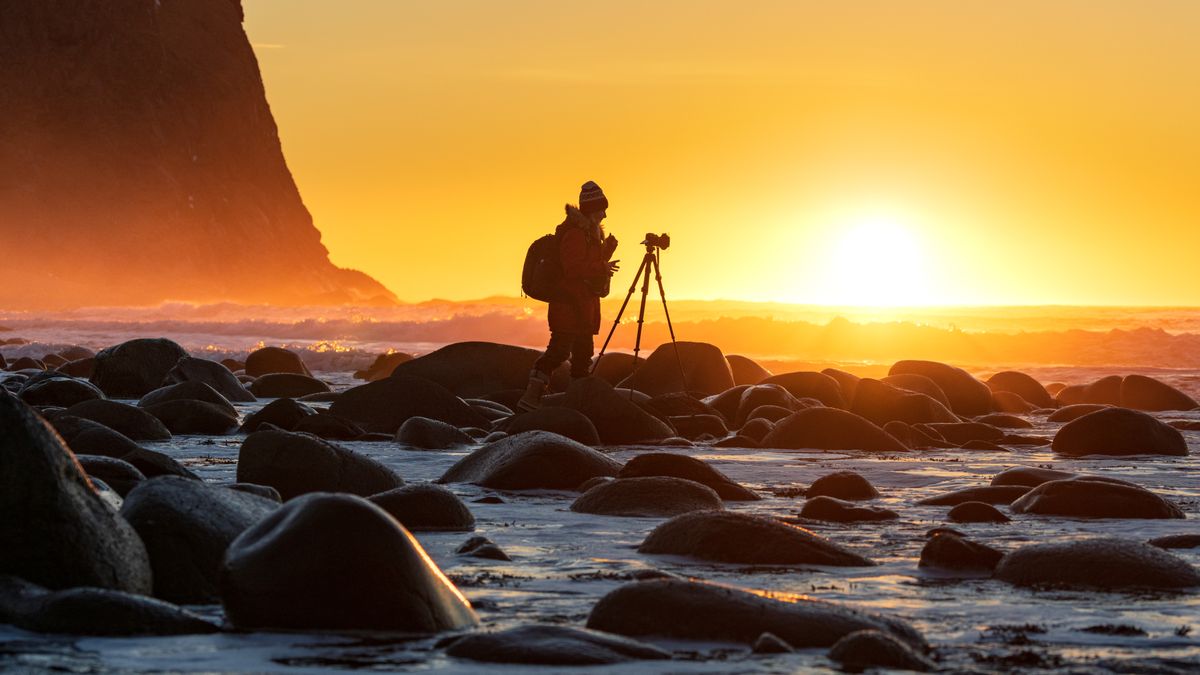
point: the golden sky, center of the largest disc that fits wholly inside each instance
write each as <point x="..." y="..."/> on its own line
<point x="849" y="152"/>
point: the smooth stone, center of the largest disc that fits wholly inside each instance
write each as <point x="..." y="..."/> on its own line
<point x="976" y="512"/>
<point x="59" y="391"/>
<point x="960" y="433"/>
<point x="287" y="385"/>
<point x="552" y="645"/>
<point x="617" y="419"/>
<point x="385" y="404"/>
<point x="117" y="473"/>
<point x="743" y="538"/>
<point x="988" y="494"/>
<point x="1104" y="562"/>
<point x="1022" y="385"/>
<point x="1176" y="541"/>
<point x="808" y="384"/>
<point x="134" y="368"/>
<point x="1093" y="497"/>
<point x="426" y="434"/>
<point x="215" y="375"/>
<point x="330" y="427"/>
<point x="194" y="417"/>
<point x="268" y="360"/>
<point x="967" y="395"/>
<point x="425" y="507"/>
<point x="284" y="413"/>
<point x="130" y="420"/>
<point x="482" y="547"/>
<point x="187" y="391"/>
<point x="840" y="511"/>
<point x="830" y="429"/>
<point x="881" y="403"/>
<point x="531" y="460"/>
<point x="296" y="463"/>
<point x="689" y="468"/>
<point x="472" y="369"/>
<point x="843" y="485"/>
<point x="562" y="421"/>
<point x="949" y="551"/>
<point x="769" y="643"/>
<point x="704" y="370"/>
<point x="1029" y="476"/>
<point x="1005" y="421"/>
<point x="877" y="649"/>
<point x="1120" y="432"/>
<point x="1074" y="412"/>
<point x="1146" y="393"/>
<point x="93" y="612"/>
<point x="382" y="366"/>
<point x="746" y="370"/>
<point x="655" y="496"/>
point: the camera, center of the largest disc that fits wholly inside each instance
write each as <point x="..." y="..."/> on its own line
<point x="657" y="240"/>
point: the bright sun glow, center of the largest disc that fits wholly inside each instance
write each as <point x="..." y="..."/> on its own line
<point x="876" y="261"/>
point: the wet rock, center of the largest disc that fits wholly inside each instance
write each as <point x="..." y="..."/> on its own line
<point x="562" y="421"/>
<point x="284" y="413"/>
<point x="1094" y="497"/>
<point x="727" y="402"/>
<point x="840" y="511"/>
<point x="482" y="547"/>
<point x="967" y="395"/>
<point x="531" y="460"/>
<point x="695" y="427"/>
<point x="738" y="441"/>
<point x="83" y="368"/>
<point x="1118" y="431"/>
<point x="843" y="485"/>
<point x="696" y="610"/>
<point x="678" y="404"/>
<point x="918" y="384"/>
<point x="426" y="434"/>
<point x="688" y="468"/>
<point x="59" y="391"/>
<point x="656" y="496"/>
<point x="614" y="367"/>
<point x="770" y="413"/>
<point x="186" y="526"/>
<point x="472" y="369"/>
<point x="704" y="367"/>
<point x="742" y="538"/>
<point x="287" y="385"/>
<point x="830" y="429"/>
<point x="26" y="363"/>
<point x="319" y="397"/>
<point x="135" y="368"/>
<point x="424" y="507"/>
<point x="1146" y="393"/>
<point x="805" y="384"/>
<point x="976" y="512"/>
<point x="950" y="551"/>
<point x="330" y="427"/>
<point x="965" y="432"/>
<point x="153" y="463"/>
<point x="264" y="491"/>
<point x="1022" y="385"/>
<point x="881" y="403"/>
<point x="93" y="612"/>
<point x="552" y="645"/>
<point x="194" y="417"/>
<point x="383" y="366"/>
<point x="336" y="562"/>
<point x="1005" y="421"/>
<point x="616" y="418"/>
<point x="1105" y="562"/>
<point x="1176" y="541"/>
<point x="756" y="429"/>
<point x="1029" y="476"/>
<point x="755" y="397"/>
<point x="990" y="494"/>
<point x="54" y="529"/>
<point x="187" y="391"/>
<point x="296" y="464"/>
<point x="876" y="649"/>
<point x="130" y="420"/>
<point x="1008" y="402"/>
<point x="85" y="437"/>
<point x="119" y="474"/>
<point x="1074" y="412"/>
<point x="215" y="375"/>
<point x="385" y="404"/>
<point x="769" y="643"/>
<point x="745" y="370"/>
<point x="269" y="360"/>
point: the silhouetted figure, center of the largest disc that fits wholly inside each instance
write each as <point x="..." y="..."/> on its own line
<point x="574" y="317"/>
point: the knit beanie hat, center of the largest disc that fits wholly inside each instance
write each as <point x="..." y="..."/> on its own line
<point x="591" y="198"/>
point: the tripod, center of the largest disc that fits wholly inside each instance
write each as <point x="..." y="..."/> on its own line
<point x="649" y="261"/>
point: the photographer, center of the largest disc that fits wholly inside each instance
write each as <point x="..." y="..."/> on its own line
<point x="585" y="253"/>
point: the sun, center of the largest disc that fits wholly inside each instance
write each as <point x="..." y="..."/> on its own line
<point x="876" y="261"/>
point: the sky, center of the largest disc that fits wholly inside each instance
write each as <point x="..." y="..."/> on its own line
<point x="838" y="153"/>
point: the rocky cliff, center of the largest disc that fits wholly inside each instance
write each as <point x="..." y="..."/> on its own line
<point x="139" y="162"/>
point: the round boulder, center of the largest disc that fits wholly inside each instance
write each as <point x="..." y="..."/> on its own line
<point x="284" y="413"/>
<point x="472" y="369"/>
<point x="59" y="391"/>
<point x="967" y="395"/>
<point x="843" y="485"/>
<point x="531" y="460"/>
<point x="269" y="360"/>
<point x="134" y="422"/>
<point x="117" y="473"/>
<point x="743" y="538"/>
<point x="839" y="511"/>
<point x="385" y="404"/>
<point x="1022" y="385"/>
<point x="426" y="434"/>
<point x="653" y="497"/>
<point x="688" y="468"/>
<point x="1146" y="393"/>
<point x="187" y="391"/>
<point x="1105" y="562"/>
<point x="1029" y="476"/>
<point x="976" y="512"/>
<point x="297" y="463"/>
<point x="876" y="649"/>
<point x="705" y="370"/>
<point x="215" y="375"/>
<point x="807" y="384"/>
<point x="562" y="421"/>
<point x="830" y="429"/>
<point x="552" y="645"/>
<point x="1093" y="497"/>
<point x="617" y="419"/>
<point x="135" y="368"/>
<point x="949" y="552"/>
<point x="194" y="417"/>
<point x="424" y="507"/>
<point x="881" y="403"/>
<point x="1118" y="431"/>
<point x="287" y="385"/>
<point x="1074" y="412"/>
<point x="745" y="370"/>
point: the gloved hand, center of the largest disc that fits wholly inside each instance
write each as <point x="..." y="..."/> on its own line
<point x="610" y="245"/>
<point x="613" y="266"/>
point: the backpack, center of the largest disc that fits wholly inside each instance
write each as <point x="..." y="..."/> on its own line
<point x="541" y="276"/>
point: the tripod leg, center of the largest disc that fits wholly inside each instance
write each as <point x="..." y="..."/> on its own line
<point x="621" y="311"/>
<point x="637" y="344"/>
<point x="666" y="312"/>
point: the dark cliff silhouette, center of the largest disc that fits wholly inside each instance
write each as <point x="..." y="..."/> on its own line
<point x="140" y="162"/>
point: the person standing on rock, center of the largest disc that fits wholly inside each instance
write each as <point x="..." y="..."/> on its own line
<point x="585" y="253"/>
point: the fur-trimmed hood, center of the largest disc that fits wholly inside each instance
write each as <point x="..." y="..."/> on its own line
<point x="576" y="218"/>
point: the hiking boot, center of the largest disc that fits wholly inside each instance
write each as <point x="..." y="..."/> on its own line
<point x="532" y="397"/>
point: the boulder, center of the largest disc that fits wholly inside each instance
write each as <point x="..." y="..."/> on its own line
<point x="264" y="491"/>
<point x="756" y="396"/>
<point x="1029" y="476"/>
<point x="531" y="460"/>
<point x="284" y="413"/>
<point x="482" y="547"/>
<point x="1022" y="385"/>
<point x="677" y="404"/>
<point x="187" y="391"/>
<point x="705" y="370"/>
<point x="614" y="367"/>
<point x="876" y="649"/>
<point x="336" y="562"/>
<point x="839" y="511"/>
<point x="267" y="360"/>
<point x="1176" y="541"/>
<point x="471" y="369"/>
<point x="552" y="645"/>
<point x="1005" y="421"/>
<point x="617" y="419"/>
<point x="1094" y="497"/>
<point x="1107" y="563"/>
<point x="297" y="463"/>
<point x="93" y="612"/>
<point x="135" y="368"/>
<point x="730" y="537"/>
<point x="918" y="384"/>
<point x="425" y="507"/>
<point x="55" y="530"/>
<point x="697" y="610"/>
<point x="806" y="384"/>
<point x="61" y="391"/>
<point x="1074" y="412"/>
<point x="186" y="526"/>
<point x="830" y="429"/>
<point x="757" y="428"/>
<point x="990" y="494"/>
<point x="85" y="437"/>
<point x="130" y="420"/>
<point x="562" y="421"/>
<point x="727" y="402"/>
<point x="745" y="370"/>
<point x="976" y="512"/>
<point x="383" y="366"/>
<point x="329" y="427"/>
<point x="117" y="473"/>
<point x="688" y="468"/>
<point x="287" y="385"/>
<point x="194" y="417"/>
<point x="651" y="497"/>
<point x="965" y="432"/>
<point x="215" y="375"/>
<point x="967" y="395"/>
<point x="1008" y="402"/>
<point x="385" y="404"/>
<point x="1118" y="431"/>
<point x="423" y="433"/>
<point x="1146" y="393"/>
<point x="698" y="427"/>
<point x="153" y="463"/>
<point x="843" y="485"/>
<point x="26" y="363"/>
<point x="951" y="552"/>
<point x="881" y="403"/>
<point x="83" y="368"/>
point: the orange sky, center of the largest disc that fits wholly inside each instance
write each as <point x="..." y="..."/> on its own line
<point x="821" y="152"/>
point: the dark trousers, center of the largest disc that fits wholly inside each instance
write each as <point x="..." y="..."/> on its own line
<point x="577" y="346"/>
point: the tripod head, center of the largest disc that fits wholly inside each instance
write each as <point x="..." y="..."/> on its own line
<point x="656" y="241"/>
